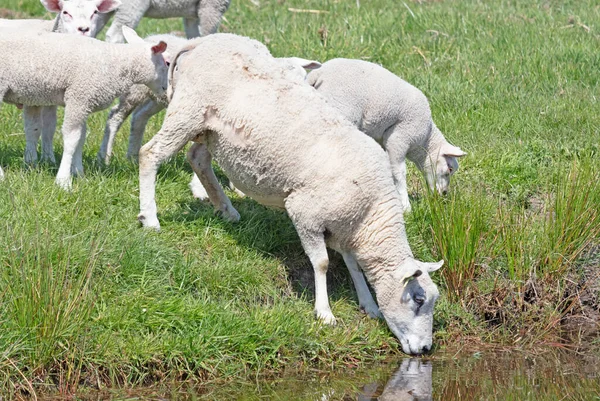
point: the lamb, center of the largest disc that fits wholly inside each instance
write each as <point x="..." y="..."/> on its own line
<point x="84" y="81"/>
<point x="200" y="17"/>
<point x="144" y="105"/>
<point x="75" y="17"/>
<point x="395" y="114"/>
<point x="280" y="142"/>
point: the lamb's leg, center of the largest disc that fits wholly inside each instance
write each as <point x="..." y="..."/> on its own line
<point x="73" y="131"/>
<point x="397" y="150"/>
<point x="191" y="27"/>
<point x="209" y="14"/>
<point x="168" y="141"/>
<point x="77" y="166"/>
<point x="101" y="20"/>
<point x="118" y="114"/>
<point x="200" y="160"/>
<point x="365" y="299"/>
<point x="32" y="121"/>
<point x="48" y="130"/>
<point x="314" y="246"/>
<point x="139" y="120"/>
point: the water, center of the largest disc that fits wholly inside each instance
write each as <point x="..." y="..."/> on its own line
<point x="473" y="376"/>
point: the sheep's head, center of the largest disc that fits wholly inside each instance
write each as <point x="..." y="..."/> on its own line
<point x="81" y="16"/>
<point x="438" y="176"/>
<point x="297" y="67"/>
<point x="406" y="302"/>
<point x="158" y="84"/>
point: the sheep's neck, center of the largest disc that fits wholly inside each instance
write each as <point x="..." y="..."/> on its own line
<point x="426" y="155"/>
<point x="381" y="245"/>
<point x="133" y="66"/>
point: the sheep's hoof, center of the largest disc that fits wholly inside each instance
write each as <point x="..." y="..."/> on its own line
<point x="326" y="317"/>
<point x="372" y="311"/>
<point x="64" y="183"/>
<point x="149" y="223"/>
<point x="48" y="158"/>
<point x="230" y="214"/>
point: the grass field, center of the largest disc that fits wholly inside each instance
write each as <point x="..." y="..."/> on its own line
<point x="87" y="298"/>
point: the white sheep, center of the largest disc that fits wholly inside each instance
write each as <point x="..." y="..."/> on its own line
<point x="280" y="142"/>
<point x="74" y="17"/>
<point x="200" y="17"/>
<point x="83" y="81"/>
<point x="395" y="114"/>
<point x="144" y="105"/>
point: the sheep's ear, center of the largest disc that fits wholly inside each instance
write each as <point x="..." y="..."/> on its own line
<point x="306" y="64"/>
<point x="131" y="36"/>
<point x="106" y="6"/>
<point x="430" y="267"/>
<point x="54" y="6"/>
<point x="453" y="151"/>
<point x="159" y="48"/>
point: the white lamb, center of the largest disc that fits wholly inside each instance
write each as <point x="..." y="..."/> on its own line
<point x="280" y="142"/>
<point x="83" y="81"/>
<point x="141" y="101"/>
<point x="74" y="17"/>
<point x="200" y="17"/>
<point x="395" y="114"/>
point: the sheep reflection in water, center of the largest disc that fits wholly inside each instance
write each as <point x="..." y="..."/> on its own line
<point x="412" y="381"/>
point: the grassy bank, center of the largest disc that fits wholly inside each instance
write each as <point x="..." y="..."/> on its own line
<point x="87" y="298"/>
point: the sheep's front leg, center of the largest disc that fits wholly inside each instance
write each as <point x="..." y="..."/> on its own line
<point x="365" y="299"/>
<point x="48" y="130"/>
<point x="73" y="131"/>
<point x="139" y="120"/>
<point x="396" y="150"/>
<point x="77" y="166"/>
<point x="313" y="242"/>
<point x="32" y="121"/>
<point x="200" y="160"/>
<point x="165" y="144"/>
<point x="118" y="114"/>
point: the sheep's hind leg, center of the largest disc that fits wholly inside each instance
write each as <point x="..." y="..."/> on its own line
<point x="313" y="242"/>
<point x="191" y="27"/>
<point x="139" y="120"/>
<point x="210" y="14"/>
<point x="48" y="130"/>
<point x="118" y="114"/>
<point x="365" y="299"/>
<point x="200" y="160"/>
<point x="32" y="122"/>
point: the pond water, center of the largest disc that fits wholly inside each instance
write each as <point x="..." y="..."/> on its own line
<point x="473" y="376"/>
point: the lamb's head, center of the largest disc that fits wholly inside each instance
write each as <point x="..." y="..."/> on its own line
<point x="443" y="167"/>
<point x="159" y="74"/>
<point x="406" y="301"/>
<point x="80" y="16"/>
<point x="296" y="68"/>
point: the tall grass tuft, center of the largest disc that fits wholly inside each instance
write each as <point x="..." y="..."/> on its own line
<point x="457" y="224"/>
<point x="573" y="220"/>
<point x="46" y="302"/>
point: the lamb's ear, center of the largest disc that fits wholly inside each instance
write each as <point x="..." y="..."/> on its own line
<point x="159" y="48"/>
<point x="452" y="151"/>
<point x="106" y="6"/>
<point x="306" y="64"/>
<point x="430" y="267"/>
<point x="54" y="6"/>
<point x="131" y="36"/>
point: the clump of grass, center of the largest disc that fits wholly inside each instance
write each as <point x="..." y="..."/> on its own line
<point x="457" y="225"/>
<point x="46" y="303"/>
<point x="573" y="219"/>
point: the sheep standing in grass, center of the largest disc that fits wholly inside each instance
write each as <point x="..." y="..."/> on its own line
<point x="395" y="114"/>
<point x="280" y="142"/>
<point x="200" y="17"/>
<point x="74" y="17"/>
<point x="85" y="79"/>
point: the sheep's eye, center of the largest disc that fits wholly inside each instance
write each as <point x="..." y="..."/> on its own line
<point x="419" y="299"/>
<point x="168" y="64"/>
<point x="65" y="13"/>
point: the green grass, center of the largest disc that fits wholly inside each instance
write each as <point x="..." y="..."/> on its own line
<point x="87" y="297"/>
